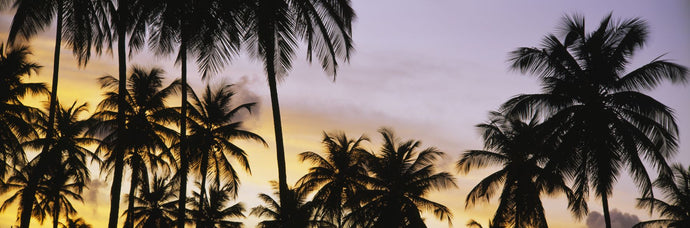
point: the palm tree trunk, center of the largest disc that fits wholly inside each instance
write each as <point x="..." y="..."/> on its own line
<point x="29" y="197"/>
<point x="56" y="215"/>
<point x="129" y="222"/>
<point x="202" y="190"/>
<point x="277" y="125"/>
<point x="605" y="204"/>
<point x="184" y="163"/>
<point x="119" y="147"/>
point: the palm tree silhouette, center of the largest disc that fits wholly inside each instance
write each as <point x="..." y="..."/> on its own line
<point x="207" y="29"/>
<point x="402" y="176"/>
<point x="14" y="67"/>
<point x="155" y="203"/>
<point x="59" y="188"/>
<point x="273" y="28"/>
<point x="295" y="211"/>
<point x="76" y="223"/>
<point x="606" y="122"/>
<point x="146" y="133"/>
<point x="676" y="207"/>
<point x="338" y="177"/>
<point x="212" y="128"/>
<point x="19" y="183"/>
<point x="84" y="25"/>
<point x="211" y="212"/>
<point x="522" y="149"/>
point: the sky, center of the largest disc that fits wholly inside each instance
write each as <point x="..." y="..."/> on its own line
<point x="430" y="70"/>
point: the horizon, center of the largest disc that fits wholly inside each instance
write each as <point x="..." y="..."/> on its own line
<point x="428" y="71"/>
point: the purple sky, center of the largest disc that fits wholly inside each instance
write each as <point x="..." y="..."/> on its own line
<point x="431" y="70"/>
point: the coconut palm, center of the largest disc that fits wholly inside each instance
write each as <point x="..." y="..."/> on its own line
<point x="155" y="203"/>
<point x="211" y="211"/>
<point x="293" y="212"/>
<point x="273" y="29"/>
<point x="76" y="223"/>
<point x="675" y="206"/>
<point x="59" y="188"/>
<point x="338" y="177"/>
<point x="208" y="30"/>
<point x="521" y="149"/>
<point x="402" y="177"/>
<point x="18" y="183"/>
<point x="14" y="67"/>
<point x="213" y="127"/>
<point x="146" y="133"/>
<point x="609" y="124"/>
<point x="83" y="24"/>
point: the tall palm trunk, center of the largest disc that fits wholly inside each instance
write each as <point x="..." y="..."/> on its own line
<point x="605" y="204"/>
<point x="119" y="147"/>
<point x="277" y="125"/>
<point x="184" y="163"/>
<point x="202" y="191"/>
<point x="29" y="196"/>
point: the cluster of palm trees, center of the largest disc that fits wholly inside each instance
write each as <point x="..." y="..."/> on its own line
<point x="208" y="29"/>
<point x="589" y="123"/>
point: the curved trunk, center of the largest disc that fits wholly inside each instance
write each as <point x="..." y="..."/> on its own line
<point x="184" y="163"/>
<point x="29" y="196"/>
<point x="119" y="147"/>
<point x="605" y="204"/>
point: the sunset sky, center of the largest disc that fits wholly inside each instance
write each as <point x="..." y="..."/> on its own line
<point x="430" y="70"/>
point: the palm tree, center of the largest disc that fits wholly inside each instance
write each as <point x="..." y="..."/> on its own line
<point x="402" y="176"/>
<point x="211" y="212"/>
<point x="155" y="203"/>
<point x="273" y="28"/>
<point x="59" y="188"/>
<point x="522" y="149"/>
<point x="474" y="224"/>
<point x="338" y="177"/>
<point x="293" y="212"/>
<point x="19" y="182"/>
<point x="85" y="28"/>
<point x="14" y="67"/>
<point x="212" y="129"/>
<point x="207" y="29"/>
<point x="609" y="124"/>
<point x="146" y="133"/>
<point x="76" y="223"/>
<point x="676" y="208"/>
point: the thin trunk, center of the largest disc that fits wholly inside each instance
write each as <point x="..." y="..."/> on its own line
<point x="277" y="125"/>
<point x="184" y="163"/>
<point x="605" y="204"/>
<point x="129" y="222"/>
<point x="29" y="197"/>
<point x="202" y="190"/>
<point x="56" y="215"/>
<point x="119" y="147"/>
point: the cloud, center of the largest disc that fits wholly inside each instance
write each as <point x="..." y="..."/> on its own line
<point x="618" y="220"/>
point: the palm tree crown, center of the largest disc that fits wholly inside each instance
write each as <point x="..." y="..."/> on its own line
<point x="402" y="177"/>
<point x="676" y="207"/>
<point x="607" y="124"/>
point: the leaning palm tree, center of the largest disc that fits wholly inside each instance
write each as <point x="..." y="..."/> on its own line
<point x="18" y="183"/>
<point x="146" y="133"/>
<point x="402" y="176"/>
<point x="522" y="149"/>
<point x="213" y="127"/>
<point x="211" y="211"/>
<point x="208" y="30"/>
<point x="338" y="177"/>
<point x="293" y="212"/>
<point x="273" y="28"/>
<point x="83" y="24"/>
<point x="18" y="118"/>
<point x="607" y="123"/>
<point x="676" y="207"/>
<point x="155" y="203"/>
